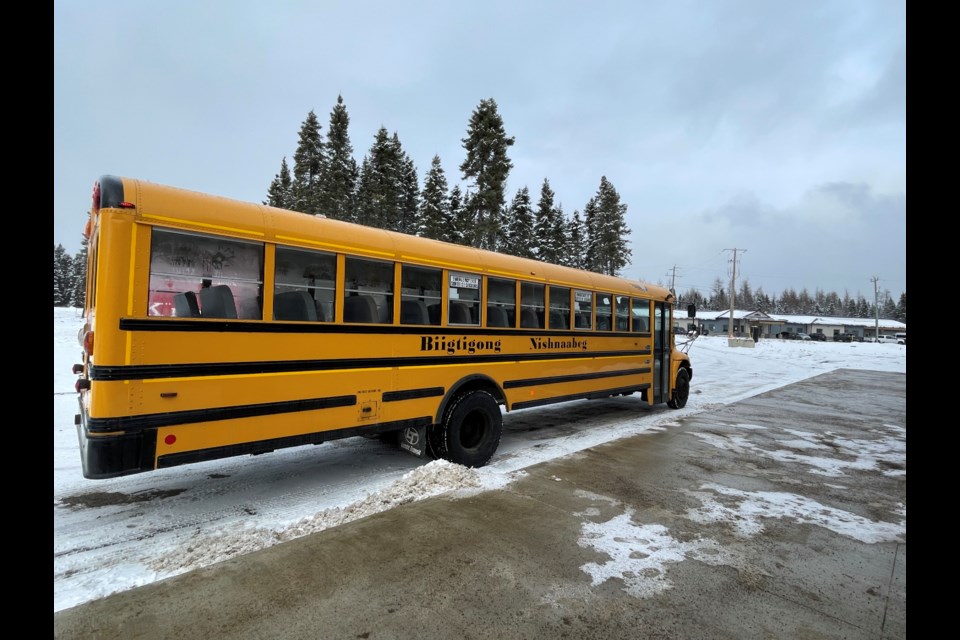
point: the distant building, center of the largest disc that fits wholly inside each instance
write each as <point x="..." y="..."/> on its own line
<point x="763" y="325"/>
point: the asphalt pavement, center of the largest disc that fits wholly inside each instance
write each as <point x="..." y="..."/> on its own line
<point x="779" y="516"/>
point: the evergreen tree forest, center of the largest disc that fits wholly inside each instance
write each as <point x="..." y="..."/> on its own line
<point x="383" y="190"/>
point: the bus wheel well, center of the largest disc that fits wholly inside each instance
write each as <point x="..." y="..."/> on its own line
<point x="466" y="385"/>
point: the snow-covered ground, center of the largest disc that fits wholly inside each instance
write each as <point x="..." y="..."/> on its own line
<point x="112" y="535"/>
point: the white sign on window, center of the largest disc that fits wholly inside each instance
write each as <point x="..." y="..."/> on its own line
<point x="464" y="282"/>
<point x="581" y="296"/>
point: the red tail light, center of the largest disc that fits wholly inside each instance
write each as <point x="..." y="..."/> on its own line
<point x="87" y="342"/>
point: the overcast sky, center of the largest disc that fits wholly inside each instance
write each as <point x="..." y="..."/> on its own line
<point x="775" y="128"/>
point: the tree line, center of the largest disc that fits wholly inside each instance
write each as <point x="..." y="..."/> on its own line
<point x="384" y="191"/>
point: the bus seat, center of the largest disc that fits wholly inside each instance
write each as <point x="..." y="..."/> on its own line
<point x="459" y="313"/>
<point x="433" y="311"/>
<point x="582" y="320"/>
<point x="414" y="312"/>
<point x="640" y="324"/>
<point x="603" y="323"/>
<point x="497" y="316"/>
<point x="360" y="309"/>
<point x="294" y="305"/>
<point x="217" y="302"/>
<point x="528" y="319"/>
<point x="185" y="305"/>
<point x="558" y="320"/>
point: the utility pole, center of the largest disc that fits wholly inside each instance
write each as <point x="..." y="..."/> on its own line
<point x="733" y="290"/>
<point x="673" y="281"/>
<point x="876" y="309"/>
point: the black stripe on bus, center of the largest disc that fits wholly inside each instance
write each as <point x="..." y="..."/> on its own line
<point x="151" y="371"/>
<point x="156" y="420"/>
<point x="266" y="446"/>
<point x="622" y="391"/>
<point x="533" y="382"/>
<point x="257" y="326"/>
<point x="410" y="394"/>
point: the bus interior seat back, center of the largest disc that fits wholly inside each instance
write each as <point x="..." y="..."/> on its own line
<point x="497" y="316"/>
<point x="414" y="312"/>
<point x="459" y="313"/>
<point x="558" y="320"/>
<point x="217" y="302"/>
<point x="433" y="311"/>
<point x="360" y="309"/>
<point x="185" y="305"/>
<point x="528" y="319"/>
<point x="582" y="320"/>
<point x="640" y="324"/>
<point x="294" y="305"/>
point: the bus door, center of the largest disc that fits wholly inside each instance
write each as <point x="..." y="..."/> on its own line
<point x="661" y="354"/>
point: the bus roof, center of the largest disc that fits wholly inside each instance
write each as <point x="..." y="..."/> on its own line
<point x="163" y="205"/>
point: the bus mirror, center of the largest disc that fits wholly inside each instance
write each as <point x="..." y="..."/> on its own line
<point x="691" y="311"/>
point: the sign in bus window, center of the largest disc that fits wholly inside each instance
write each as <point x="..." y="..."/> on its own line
<point x="367" y="291"/>
<point x="501" y="302"/>
<point x="304" y="285"/>
<point x="559" y="307"/>
<point x="420" y="295"/>
<point x="464" y="299"/>
<point x="582" y="309"/>
<point x="531" y="305"/>
<point x="187" y="269"/>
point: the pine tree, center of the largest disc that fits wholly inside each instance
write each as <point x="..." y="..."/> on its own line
<point x="380" y="194"/>
<point x="409" y="204"/>
<point x="488" y="166"/>
<point x="280" y="193"/>
<point x="457" y="223"/>
<point x="575" y="255"/>
<point x="78" y="296"/>
<point x="606" y="224"/>
<point x="62" y="276"/>
<point x="339" y="180"/>
<point x="901" y="314"/>
<point x="309" y="163"/>
<point x="546" y="247"/>
<point x="520" y="239"/>
<point x="434" y="203"/>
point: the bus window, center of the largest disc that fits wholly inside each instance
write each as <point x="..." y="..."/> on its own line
<point x="604" y="312"/>
<point x="583" y="309"/>
<point x="368" y="291"/>
<point x="420" y="295"/>
<point x="184" y="265"/>
<point x="464" y="298"/>
<point x="305" y="285"/>
<point x="559" y="307"/>
<point x="501" y="303"/>
<point x="640" y="310"/>
<point x="623" y="313"/>
<point x="531" y="305"/>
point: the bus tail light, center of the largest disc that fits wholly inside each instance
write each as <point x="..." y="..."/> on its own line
<point x="82" y="384"/>
<point x="87" y="341"/>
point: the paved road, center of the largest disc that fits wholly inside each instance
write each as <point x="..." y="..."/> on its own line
<point x="781" y="516"/>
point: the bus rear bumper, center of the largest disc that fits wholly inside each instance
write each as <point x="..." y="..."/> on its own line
<point x="115" y="454"/>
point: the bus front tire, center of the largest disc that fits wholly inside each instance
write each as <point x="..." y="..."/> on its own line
<point x="470" y="432"/>
<point x="681" y="390"/>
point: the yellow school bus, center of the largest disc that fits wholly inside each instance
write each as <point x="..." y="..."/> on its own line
<point x="217" y="328"/>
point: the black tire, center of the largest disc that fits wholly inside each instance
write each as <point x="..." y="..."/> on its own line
<point x="681" y="390"/>
<point x="470" y="432"/>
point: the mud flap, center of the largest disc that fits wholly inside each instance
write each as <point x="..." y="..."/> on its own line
<point x="414" y="440"/>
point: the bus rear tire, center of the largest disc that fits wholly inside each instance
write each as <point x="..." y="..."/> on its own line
<point x="470" y="432"/>
<point x="681" y="390"/>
